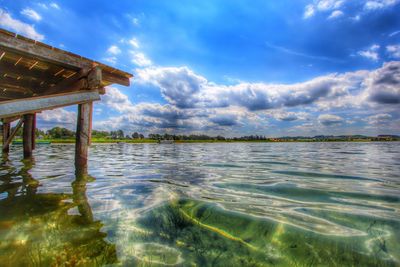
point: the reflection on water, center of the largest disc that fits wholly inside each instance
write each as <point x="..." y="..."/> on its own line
<point x="286" y="204"/>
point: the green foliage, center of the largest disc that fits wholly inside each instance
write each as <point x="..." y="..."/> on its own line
<point x="62" y="133"/>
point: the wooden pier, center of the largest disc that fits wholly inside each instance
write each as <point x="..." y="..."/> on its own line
<point x="35" y="77"/>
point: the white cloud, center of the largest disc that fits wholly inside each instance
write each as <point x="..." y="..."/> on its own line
<point x="379" y="4"/>
<point x="394" y="33"/>
<point x="323" y="6"/>
<point x="31" y="14"/>
<point x="196" y="104"/>
<point x="393" y="50"/>
<point x="134" y="42"/>
<point x="329" y="4"/>
<point x="111" y="60"/>
<point x="116" y="100"/>
<point x="185" y="89"/>
<point x="309" y="11"/>
<point x="135" y="21"/>
<point x="379" y="119"/>
<point x="114" y="50"/>
<point x="20" y="27"/>
<point x="290" y="116"/>
<point x="330" y="120"/>
<point x="140" y="59"/>
<point x="382" y="86"/>
<point x="370" y="53"/>
<point x="336" y="14"/>
<point x="333" y="7"/>
<point x="57" y="117"/>
<point x="54" y="5"/>
<point x="43" y="5"/>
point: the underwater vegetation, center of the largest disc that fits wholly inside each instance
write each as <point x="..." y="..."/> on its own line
<point x="195" y="233"/>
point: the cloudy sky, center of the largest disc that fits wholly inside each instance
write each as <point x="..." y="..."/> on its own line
<point x="232" y="67"/>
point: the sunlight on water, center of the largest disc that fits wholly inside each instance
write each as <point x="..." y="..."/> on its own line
<point x="239" y="204"/>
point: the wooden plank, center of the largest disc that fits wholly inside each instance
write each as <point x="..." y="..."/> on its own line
<point x="6" y="135"/>
<point x="27" y="136"/>
<point x="113" y="78"/>
<point x="41" y="52"/>
<point x="36" y="104"/>
<point x="82" y="137"/>
<point x="8" y="141"/>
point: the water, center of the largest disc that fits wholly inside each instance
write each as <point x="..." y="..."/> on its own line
<point x="228" y="204"/>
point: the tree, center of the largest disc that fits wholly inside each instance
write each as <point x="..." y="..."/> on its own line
<point x="135" y="135"/>
<point x="58" y="132"/>
<point x="100" y="134"/>
<point x="120" y="134"/>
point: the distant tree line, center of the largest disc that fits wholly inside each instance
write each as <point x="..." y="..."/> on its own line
<point x="64" y="133"/>
<point x="204" y="137"/>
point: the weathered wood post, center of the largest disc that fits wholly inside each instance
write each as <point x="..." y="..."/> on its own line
<point x="34" y="132"/>
<point x="6" y="134"/>
<point x="27" y="135"/>
<point x="82" y="136"/>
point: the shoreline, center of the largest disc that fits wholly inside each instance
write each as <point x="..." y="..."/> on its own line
<point x="148" y="141"/>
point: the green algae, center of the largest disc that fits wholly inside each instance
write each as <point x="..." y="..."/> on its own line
<point x="208" y="235"/>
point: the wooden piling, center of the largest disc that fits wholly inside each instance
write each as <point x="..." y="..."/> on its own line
<point x="27" y="135"/>
<point x="34" y="132"/>
<point x="6" y="135"/>
<point x="82" y="136"/>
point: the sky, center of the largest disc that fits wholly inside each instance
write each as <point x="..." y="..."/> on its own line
<point x="230" y="67"/>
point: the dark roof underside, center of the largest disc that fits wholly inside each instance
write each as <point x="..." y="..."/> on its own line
<point x="31" y="68"/>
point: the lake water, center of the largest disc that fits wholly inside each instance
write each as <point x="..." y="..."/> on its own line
<point x="227" y="204"/>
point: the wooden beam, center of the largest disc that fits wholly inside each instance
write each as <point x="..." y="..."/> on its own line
<point x="113" y="78"/>
<point x="11" y="119"/>
<point x="40" y="51"/>
<point x="33" y="131"/>
<point x="6" y="135"/>
<point x="82" y="137"/>
<point x="27" y="136"/>
<point x="11" y="136"/>
<point x="90" y="123"/>
<point x="36" y="104"/>
<point x="86" y="79"/>
<point x="94" y="78"/>
<point x="10" y="94"/>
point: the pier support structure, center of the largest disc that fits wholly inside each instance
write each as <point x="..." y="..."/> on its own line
<point x="36" y="77"/>
<point x="6" y="135"/>
<point x="28" y="135"/>
<point x="83" y="133"/>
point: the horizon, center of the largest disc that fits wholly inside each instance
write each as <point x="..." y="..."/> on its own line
<point x="147" y="136"/>
<point x="325" y="67"/>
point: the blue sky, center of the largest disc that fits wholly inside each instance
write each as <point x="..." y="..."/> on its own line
<point x="230" y="67"/>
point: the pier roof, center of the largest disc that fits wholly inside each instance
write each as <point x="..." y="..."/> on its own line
<point x="30" y="68"/>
